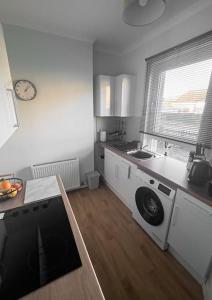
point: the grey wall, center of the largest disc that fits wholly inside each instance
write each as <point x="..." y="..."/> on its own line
<point x="58" y="123"/>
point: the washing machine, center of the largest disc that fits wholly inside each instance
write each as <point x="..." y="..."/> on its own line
<point x="152" y="207"/>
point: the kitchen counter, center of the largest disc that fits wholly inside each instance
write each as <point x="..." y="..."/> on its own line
<point x="170" y="171"/>
<point x="81" y="283"/>
<point x="33" y="190"/>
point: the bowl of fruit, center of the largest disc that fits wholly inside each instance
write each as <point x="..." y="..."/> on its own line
<point x="10" y="187"/>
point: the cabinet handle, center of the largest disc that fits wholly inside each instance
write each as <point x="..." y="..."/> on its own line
<point x="174" y="219"/>
<point x="129" y="171"/>
<point x="16" y="125"/>
<point x="129" y="168"/>
<point x="199" y="206"/>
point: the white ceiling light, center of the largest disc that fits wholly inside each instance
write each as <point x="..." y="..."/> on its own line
<point x="143" y="12"/>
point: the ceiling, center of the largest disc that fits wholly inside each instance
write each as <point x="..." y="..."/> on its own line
<point x="98" y="21"/>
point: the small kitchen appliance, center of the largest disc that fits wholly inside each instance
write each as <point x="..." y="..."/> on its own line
<point x="200" y="172"/>
<point x="210" y="188"/>
<point x="103" y="136"/>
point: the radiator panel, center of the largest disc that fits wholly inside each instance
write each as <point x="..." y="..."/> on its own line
<point x="68" y="170"/>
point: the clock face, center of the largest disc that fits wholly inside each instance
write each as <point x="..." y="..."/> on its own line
<point x="25" y="90"/>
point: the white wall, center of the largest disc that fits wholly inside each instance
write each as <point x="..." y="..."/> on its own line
<point x="58" y="123"/>
<point x="134" y="61"/>
<point x="107" y="63"/>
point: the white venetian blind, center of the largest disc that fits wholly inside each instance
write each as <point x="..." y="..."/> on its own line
<point x="178" y="98"/>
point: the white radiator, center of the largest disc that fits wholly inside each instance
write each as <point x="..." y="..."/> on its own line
<point x="67" y="169"/>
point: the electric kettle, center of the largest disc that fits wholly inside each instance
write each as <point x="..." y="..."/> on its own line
<point x="200" y="172"/>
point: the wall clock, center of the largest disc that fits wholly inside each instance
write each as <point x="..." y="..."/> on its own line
<point x="25" y="90"/>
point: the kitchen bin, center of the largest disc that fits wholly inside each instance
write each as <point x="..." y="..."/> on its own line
<point x="93" y="180"/>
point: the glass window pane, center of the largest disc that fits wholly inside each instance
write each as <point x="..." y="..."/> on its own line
<point x="181" y="104"/>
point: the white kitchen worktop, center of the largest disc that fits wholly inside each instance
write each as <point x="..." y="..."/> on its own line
<point x="42" y="188"/>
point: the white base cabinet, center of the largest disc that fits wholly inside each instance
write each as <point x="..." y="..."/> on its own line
<point x="120" y="175"/>
<point x="190" y="234"/>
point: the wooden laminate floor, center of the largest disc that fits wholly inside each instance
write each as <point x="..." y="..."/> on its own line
<point x="127" y="262"/>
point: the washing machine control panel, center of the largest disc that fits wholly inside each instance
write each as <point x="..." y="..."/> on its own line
<point x="164" y="189"/>
<point x="155" y="184"/>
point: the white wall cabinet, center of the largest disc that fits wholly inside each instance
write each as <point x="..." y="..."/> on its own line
<point x="120" y="175"/>
<point x="190" y="234"/>
<point x="125" y="95"/>
<point x="8" y="116"/>
<point x="104" y="95"/>
<point x="114" y="95"/>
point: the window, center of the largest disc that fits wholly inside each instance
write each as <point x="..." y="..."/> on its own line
<point x="178" y="98"/>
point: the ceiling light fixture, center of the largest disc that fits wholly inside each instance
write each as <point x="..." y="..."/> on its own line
<point x="143" y="12"/>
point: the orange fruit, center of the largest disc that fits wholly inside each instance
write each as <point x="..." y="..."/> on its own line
<point x="5" y="185"/>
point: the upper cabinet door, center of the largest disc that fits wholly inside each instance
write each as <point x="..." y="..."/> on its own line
<point x="8" y="116"/>
<point x="5" y="74"/>
<point x="125" y="95"/>
<point x="104" y="96"/>
<point x="114" y="96"/>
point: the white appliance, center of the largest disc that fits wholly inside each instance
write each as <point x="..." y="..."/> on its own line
<point x="114" y="95"/>
<point x="103" y="136"/>
<point x="153" y="206"/>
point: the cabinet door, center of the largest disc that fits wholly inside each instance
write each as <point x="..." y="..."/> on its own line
<point x="126" y="178"/>
<point x="104" y="96"/>
<point x="119" y="173"/>
<point x="111" y="169"/>
<point x="191" y="233"/>
<point x="125" y="95"/>
<point x="8" y="117"/>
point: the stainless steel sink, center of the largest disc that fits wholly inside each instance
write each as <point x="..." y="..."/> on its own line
<point x="140" y="154"/>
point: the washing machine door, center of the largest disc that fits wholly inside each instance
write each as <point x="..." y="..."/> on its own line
<point x="149" y="206"/>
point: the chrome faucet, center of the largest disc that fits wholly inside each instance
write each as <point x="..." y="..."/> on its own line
<point x="139" y="147"/>
<point x="167" y="146"/>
